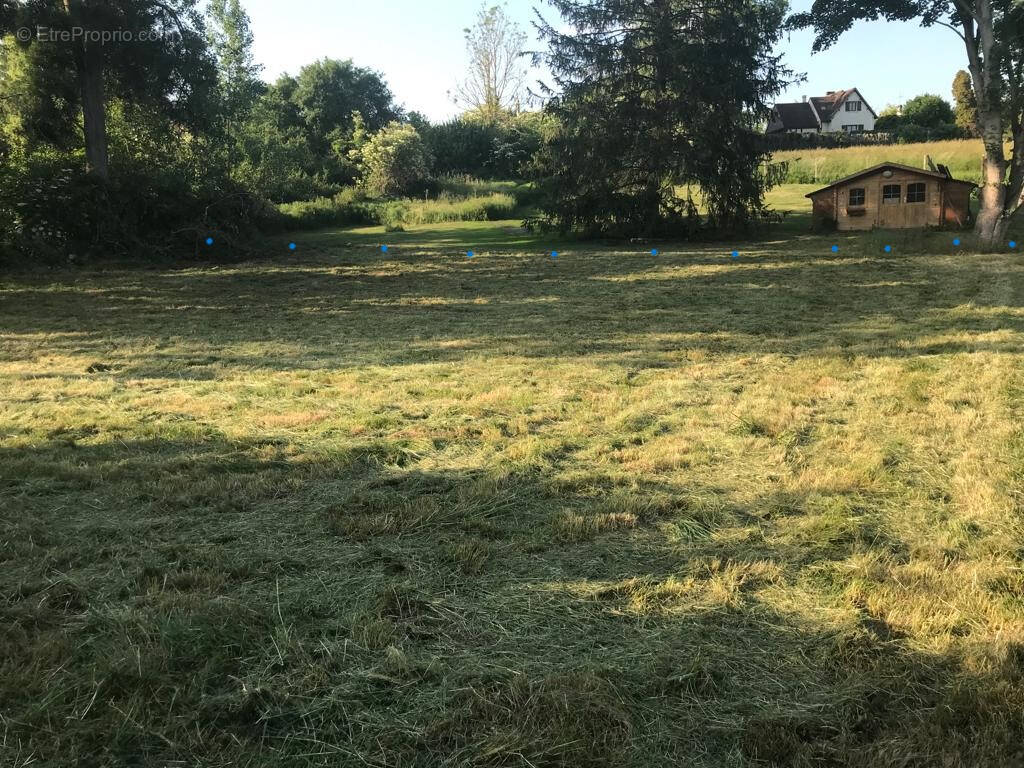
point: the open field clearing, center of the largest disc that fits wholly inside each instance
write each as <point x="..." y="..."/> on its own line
<point x="614" y="509"/>
<point x="823" y="166"/>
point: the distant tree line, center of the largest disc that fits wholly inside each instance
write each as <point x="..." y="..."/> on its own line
<point x="649" y="124"/>
<point x="150" y="146"/>
<point x="929" y="117"/>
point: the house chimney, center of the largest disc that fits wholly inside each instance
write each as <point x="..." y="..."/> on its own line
<point x="805" y="99"/>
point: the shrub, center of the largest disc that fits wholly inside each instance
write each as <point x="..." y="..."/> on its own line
<point x="394" y="161"/>
<point x="911" y="133"/>
<point x="928" y="110"/>
<point x="272" y="162"/>
<point x="500" y="149"/>
<point x="462" y="146"/>
<point x="59" y="213"/>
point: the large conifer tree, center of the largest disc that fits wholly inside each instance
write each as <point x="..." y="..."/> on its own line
<point x="652" y="95"/>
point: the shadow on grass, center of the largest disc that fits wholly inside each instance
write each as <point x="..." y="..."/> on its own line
<point x="213" y="600"/>
<point x="360" y="307"/>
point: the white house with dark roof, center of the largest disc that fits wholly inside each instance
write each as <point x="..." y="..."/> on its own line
<point x="835" y="112"/>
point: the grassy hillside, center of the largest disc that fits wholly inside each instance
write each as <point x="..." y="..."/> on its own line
<point x="823" y="166"/>
<point x="614" y="509"/>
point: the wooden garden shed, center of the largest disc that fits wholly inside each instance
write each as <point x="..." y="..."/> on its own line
<point x="894" y="196"/>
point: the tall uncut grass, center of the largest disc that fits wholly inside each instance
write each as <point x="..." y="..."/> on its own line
<point x="460" y="199"/>
<point x="449" y="208"/>
<point x="823" y="166"/>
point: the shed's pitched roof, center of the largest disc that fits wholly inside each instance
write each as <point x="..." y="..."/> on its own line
<point x="794" y="116"/>
<point x="896" y="166"/>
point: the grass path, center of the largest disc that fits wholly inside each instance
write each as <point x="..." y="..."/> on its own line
<point x="411" y="509"/>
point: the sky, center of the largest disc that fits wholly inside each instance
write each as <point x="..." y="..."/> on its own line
<point x="418" y="46"/>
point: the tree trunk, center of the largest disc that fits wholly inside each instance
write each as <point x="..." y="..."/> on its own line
<point x="94" y="112"/>
<point x="992" y="220"/>
<point x="89" y="68"/>
<point x="993" y="216"/>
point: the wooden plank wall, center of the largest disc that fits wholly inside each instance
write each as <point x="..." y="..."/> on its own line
<point x="944" y="204"/>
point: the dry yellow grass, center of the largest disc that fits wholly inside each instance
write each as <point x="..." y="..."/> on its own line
<point x="823" y="166"/>
<point x="613" y="509"/>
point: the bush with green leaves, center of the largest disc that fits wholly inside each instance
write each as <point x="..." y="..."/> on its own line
<point x="912" y="133"/>
<point x="462" y="146"/>
<point x="57" y="213"/>
<point x="61" y="214"/>
<point x="928" y="111"/>
<point x="274" y="161"/>
<point x="486" y="149"/>
<point x="394" y="162"/>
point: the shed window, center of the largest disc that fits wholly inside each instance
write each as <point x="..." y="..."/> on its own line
<point x="916" y="193"/>
<point x="857" y="196"/>
<point x="891" y="194"/>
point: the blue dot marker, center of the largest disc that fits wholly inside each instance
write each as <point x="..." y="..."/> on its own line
<point x="835" y="249"/>
<point x="554" y="254"/>
<point x="735" y="254"/>
<point x="1013" y="243"/>
<point x="654" y="251"/>
<point x="209" y="241"/>
<point x="469" y="254"/>
<point x="291" y="246"/>
<point x="888" y="249"/>
<point x="384" y="249"/>
<point x="956" y="241"/>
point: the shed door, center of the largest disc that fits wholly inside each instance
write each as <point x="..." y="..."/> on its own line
<point x="891" y="211"/>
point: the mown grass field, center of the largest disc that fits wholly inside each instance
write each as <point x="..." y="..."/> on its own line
<point x="613" y="509"/>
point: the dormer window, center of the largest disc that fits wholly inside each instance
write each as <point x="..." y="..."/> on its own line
<point x="853" y="106"/>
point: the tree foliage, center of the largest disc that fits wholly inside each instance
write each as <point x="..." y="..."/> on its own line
<point x="394" y="161"/>
<point x="166" y="67"/>
<point x="495" y="77"/>
<point x="966" y="105"/>
<point x="145" y="113"/>
<point x="889" y="119"/>
<point x="231" y="41"/>
<point x="485" y="148"/>
<point x="652" y="96"/>
<point x="321" y="102"/>
<point x="928" y="111"/>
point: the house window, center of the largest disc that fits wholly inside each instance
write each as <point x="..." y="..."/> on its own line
<point x="891" y="194"/>
<point x="916" y="193"/>
<point x="853" y="128"/>
<point x="857" y="196"/>
<point x="853" y="106"/>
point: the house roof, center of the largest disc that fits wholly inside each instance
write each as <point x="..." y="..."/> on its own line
<point x="896" y="166"/>
<point x="793" y="117"/>
<point x="826" y="106"/>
